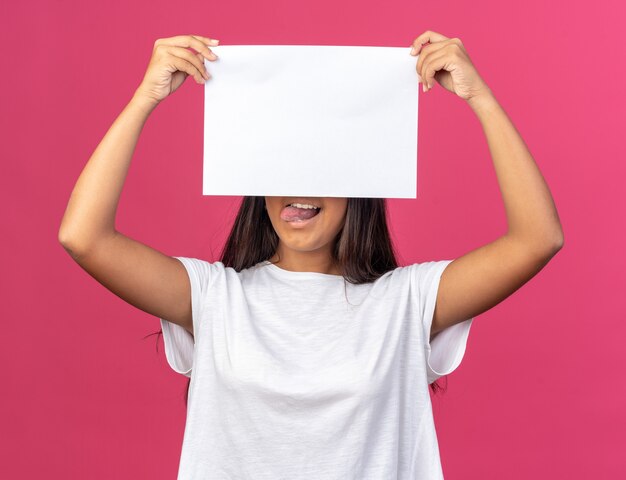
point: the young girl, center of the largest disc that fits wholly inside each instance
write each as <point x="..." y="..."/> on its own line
<point x="309" y="350"/>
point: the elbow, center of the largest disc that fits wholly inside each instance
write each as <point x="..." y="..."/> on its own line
<point x="63" y="238"/>
<point x="558" y="244"/>
<point x="79" y="243"/>
<point x="552" y="247"/>
<point x="72" y="243"/>
<point x="66" y="238"/>
<point x="543" y="252"/>
<point x="558" y="239"/>
<point x="68" y="244"/>
<point x="543" y="246"/>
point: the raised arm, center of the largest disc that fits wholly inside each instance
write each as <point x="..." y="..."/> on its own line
<point x="142" y="276"/>
<point x="482" y="278"/>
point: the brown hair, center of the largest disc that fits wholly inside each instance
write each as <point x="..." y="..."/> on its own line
<point x="363" y="249"/>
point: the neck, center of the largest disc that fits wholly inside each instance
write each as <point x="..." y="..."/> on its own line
<point x="319" y="261"/>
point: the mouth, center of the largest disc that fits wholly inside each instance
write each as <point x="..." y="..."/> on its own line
<point x="301" y="215"/>
<point x="304" y="201"/>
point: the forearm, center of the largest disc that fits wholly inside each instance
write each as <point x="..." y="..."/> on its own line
<point x="91" y="210"/>
<point x="531" y="214"/>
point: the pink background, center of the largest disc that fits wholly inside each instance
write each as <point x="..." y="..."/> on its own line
<point x="541" y="390"/>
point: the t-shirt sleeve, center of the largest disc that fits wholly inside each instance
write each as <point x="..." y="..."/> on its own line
<point x="179" y="343"/>
<point x="444" y="354"/>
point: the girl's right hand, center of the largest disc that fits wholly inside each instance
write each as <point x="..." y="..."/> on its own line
<point x="172" y="63"/>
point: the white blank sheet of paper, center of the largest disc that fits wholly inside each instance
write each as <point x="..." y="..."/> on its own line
<point x="304" y="120"/>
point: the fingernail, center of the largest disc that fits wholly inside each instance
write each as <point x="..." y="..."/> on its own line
<point x="214" y="41"/>
<point x="423" y="87"/>
<point x="412" y="50"/>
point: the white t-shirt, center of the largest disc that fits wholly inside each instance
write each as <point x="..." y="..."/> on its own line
<point x="289" y="380"/>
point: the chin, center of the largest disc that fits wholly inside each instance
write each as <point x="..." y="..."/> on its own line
<point x="301" y="245"/>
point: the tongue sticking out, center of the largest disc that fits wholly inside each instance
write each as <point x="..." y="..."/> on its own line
<point x="291" y="214"/>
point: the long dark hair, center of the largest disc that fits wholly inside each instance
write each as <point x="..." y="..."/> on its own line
<point x="363" y="250"/>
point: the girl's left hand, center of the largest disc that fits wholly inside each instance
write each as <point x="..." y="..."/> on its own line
<point x="445" y="60"/>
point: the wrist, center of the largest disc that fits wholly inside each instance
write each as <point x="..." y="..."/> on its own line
<point x="143" y="102"/>
<point x="482" y="101"/>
